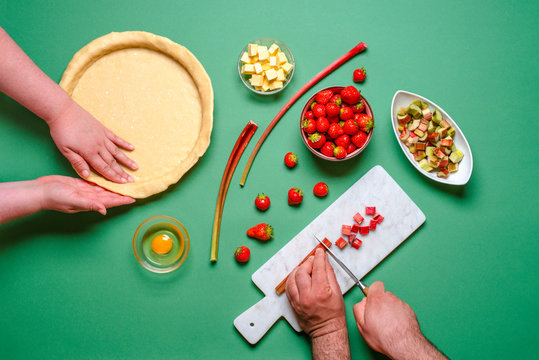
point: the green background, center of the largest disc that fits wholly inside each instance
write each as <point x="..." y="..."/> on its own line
<point x="70" y="286"/>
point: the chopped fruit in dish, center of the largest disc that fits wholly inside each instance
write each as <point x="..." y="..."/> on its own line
<point x="242" y="254"/>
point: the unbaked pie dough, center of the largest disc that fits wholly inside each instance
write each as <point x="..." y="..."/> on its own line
<point x="151" y="92"/>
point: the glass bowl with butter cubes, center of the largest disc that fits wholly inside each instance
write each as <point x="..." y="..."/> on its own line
<point x="266" y="66"/>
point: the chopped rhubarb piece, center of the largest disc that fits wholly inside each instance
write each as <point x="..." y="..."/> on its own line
<point x="346" y="229"/>
<point x="370" y="210"/>
<point x="372" y="225"/>
<point x="355" y="228"/>
<point x="356" y="244"/>
<point x="341" y="243"/>
<point x="379" y="218"/>
<point x="363" y="230"/>
<point x="358" y="218"/>
<point x="420" y="146"/>
<point x="351" y="238"/>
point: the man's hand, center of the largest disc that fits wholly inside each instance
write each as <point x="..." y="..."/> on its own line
<point x="70" y="195"/>
<point x="390" y="326"/>
<point x="85" y="142"/>
<point x="316" y="298"/>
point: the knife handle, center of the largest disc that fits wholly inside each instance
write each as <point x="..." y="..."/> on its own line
<point x="365" y="290"/>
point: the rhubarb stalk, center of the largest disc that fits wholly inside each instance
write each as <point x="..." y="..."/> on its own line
<point x="322" y="74"/>
<point x="233" y="159"/>
<point x="282" y="285"/>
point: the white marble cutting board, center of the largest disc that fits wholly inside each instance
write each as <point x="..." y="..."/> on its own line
<point x="376" y="188"/>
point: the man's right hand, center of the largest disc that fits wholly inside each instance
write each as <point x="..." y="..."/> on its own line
<point x="390" y="326"/>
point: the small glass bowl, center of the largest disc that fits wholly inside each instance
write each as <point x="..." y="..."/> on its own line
<point x="267" y="42"/>
<point x="147" y="231"/>
<point x="307" y="107"/>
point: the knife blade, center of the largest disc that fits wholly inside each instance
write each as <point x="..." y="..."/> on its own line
<point x="364" y="288"/>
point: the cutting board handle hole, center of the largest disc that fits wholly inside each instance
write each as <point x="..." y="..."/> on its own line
<point x="252" y="324"/>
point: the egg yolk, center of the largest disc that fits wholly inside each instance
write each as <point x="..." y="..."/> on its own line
<point x="161" y="244"/>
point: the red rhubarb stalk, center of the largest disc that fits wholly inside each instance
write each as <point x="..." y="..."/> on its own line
<point x="233" y="159"/>
<point x="322" y="74"/>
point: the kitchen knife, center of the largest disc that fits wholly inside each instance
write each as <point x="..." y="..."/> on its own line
<point x="358" y="282"/>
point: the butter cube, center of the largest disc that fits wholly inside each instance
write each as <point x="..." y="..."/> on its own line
<point x="256" y="80"/>
<point x="273" y="49"/>
<point x="266" y="66"/>
<point x="265" y="85"/>
<point x="281" y="57"/>
<point x="271" y="74"/>
<point x="287" y="67"/>
<point x="245" y="58"/>
<point x="258" y="68"/>
<point x="252" y="49"/>
<point x="273" y="61"/>
<point x="276" y="84"/>
<point x="259" y="88"/>
<point x="248" y="69"/>
<point x="280" y="75"/>
<point x="263" y="53"/>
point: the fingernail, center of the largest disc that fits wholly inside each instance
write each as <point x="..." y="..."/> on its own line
<point x="134" y="165"/>
<point x="123" y="180"/>
<point x="85" y="173"/>
<point x="130" y="178"/>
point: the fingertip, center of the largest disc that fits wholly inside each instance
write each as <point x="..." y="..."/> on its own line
<point x="85" y="173"/>
<point x="103" y="211"/>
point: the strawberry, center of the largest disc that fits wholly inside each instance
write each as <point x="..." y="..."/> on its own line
<point x="332" y="109"/>
<point x="290" y="159"/>
<point x="321" y="189"/>
<point x="309" y="126"/>
<point x="261" y="231"/>
<point x="336" y="99"/>
<point x="335" y="130"/>
<point x="242" y="254"/>
<point x="359" y="139"/>
<point x="322" y="125"/>
<point x="339" y="152"/>
<point x="365" y="122"/>
<point x="309" y="115"/>
<point x="343" y="140"/>
<point x="334" y="119"/>
<point x="323" y="96"/>
<point x="350" y="127"/>
<point x="319" y="110"/>
<point x="262" y="202"/>
<point x="350" y="148"/>
<point x="359" y="107"/>
<point x="316" y="140"/>
<point x="359" y="75"/>
<point x="327" y="148"/>
<point x="350" y="95"/>
<point x="295" y="196"/>
<point x="346" y="113"/>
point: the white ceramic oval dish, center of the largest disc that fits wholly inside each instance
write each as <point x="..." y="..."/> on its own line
<point x="403" y="99"/>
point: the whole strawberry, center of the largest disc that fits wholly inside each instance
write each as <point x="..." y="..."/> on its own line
<point x="321" y="189"/>
<point x="309" y="115"/>
<point x="335" y="130"/>
<point x="343" y="140"/>
<point x="261" y="231"/>
<point x="359" y="139"/>
<point x="322" y="124"/>
<point x="319" y="110"/>
<point x="350" y="127"/>
<point x="336" y="99"/>
<point x="242" y="254"/>
<point x="359" y="75"/>
<point x="332" y="109"/>
<point x="316" y="140"/>
<point x="339" y="152"/>
<point x="327" y="148"/>
<point x="309" y="126"/>
<point x="346" y="113"/>
<point x="295" y="196"/>
<point x="359" y="107"/>
<point x="350" y="95"/>
<point x="351" y="148"/>
<point x="323" y="96"/>
<point x="290" y="159"/>
<point x="262" y="202"/>
<point x="364" y="122"/>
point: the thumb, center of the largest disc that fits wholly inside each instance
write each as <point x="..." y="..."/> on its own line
<point x="359" y="314"/>
<point x="79" y="164"/>
<point x="376" y="288"/>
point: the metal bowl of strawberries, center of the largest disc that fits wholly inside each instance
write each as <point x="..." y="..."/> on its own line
<point x="337" y="123"/>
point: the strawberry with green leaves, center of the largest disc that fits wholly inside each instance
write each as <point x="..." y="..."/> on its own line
<point x="295" y="196"/>
<point x="261" y="231"/>
<point x="359" y="139"/>
<point x="350" y="127"/>
<point x="335" y="130"/>
<point x="321" y="189"/>
<point x="290" y="159"/>
<point x="323" y="96"/>
<point x="327" y="149"/>
<point x="332" y="109"/>
<point x="316" y="140"/>
<point x="359" y="107"/>
<point x="350" y="95"/>
<point x="242" y="254"/>
<point x="262" y="202"/>
<point x="359" y="75"/>
<point x="346" y="113"/>
<point x="364" y="122"/>
<point x="339" y="152"/>
<point x="309" y="126"/>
